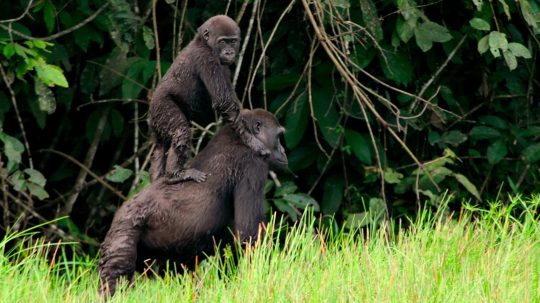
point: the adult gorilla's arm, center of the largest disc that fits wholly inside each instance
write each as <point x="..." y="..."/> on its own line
<point x="248" y="204"/>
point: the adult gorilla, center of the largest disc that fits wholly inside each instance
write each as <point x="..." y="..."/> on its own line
<point x="184" y="220"/>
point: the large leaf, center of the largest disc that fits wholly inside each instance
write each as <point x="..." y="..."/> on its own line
<point x="357" y="220"/>
<point x="399" y="68"/>
<point x="35" y="176"/>
<point x="326" y="114"/>
<point x="302" y="157"/>
<point x="296" y="121"/>
<point x="405" y="29"/>
<point x="496" y="152"/>
<point x="50" y="74"/>
<point x="131" y="85"/>
<point x="333" y="194"/>
<point x="497" y="42"/>
<point x="302" y="201"/>
<point x="510" y="59"/>
<point x="13" y="149"/>
<point x="434" y="32"/>
<point x="480" y="24"/>
<point x="49" y="16"/>
<point x="285" y="207"/>
<point x="371" y="19"/>
<point x="532" y="153"/>
<point x="519" y="50"/>
<point x="361" y="146"/>
<point x="483" y="44"/>
<point x="471" y="188"/>
<point x="119" y="174"/>
<point x="429" y="32"/>
<point x="484" y="132"/>
<point x="285" y="189"/>
<point x="37" y="191"/>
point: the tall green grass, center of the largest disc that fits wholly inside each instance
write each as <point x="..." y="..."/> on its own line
<point x="474" y="256"/>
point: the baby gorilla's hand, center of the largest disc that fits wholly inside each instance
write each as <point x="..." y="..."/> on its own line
<point x="186" y="175"/>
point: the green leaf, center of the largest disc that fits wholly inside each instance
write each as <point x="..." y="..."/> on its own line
<point x="37" y="191"/>
<point x="361" y="146"/>
<point x="453" y="137"/>
<point x="302" y="157"/>
<point x="471" y="188"/>
<point x="18" y="181"/>
<point x="49" y="16"/>
<point x="117" y="121"/>
<point x="530" y="16"/>
<point x="399" y="68"/>
<point x="496" y="152"/>
<point x="532" y="153"/>
<point x="357" y="220"/>
<point x="88" y="81"/>
<point x="119" y="174"/>
<point x="148" y="37"/>
<point x="50" y="74"/>
<point x="423" y="42"/>
<point x="35" y="177"/>
<point x="285" y="207"/>
<point x="130" y="85"/>
<point x="519" y="50"/>
<point x="483" y="44"/>
<point x="497" y="42"/>
<point x="13" y="148"/>
<point x="46" y="99"/>
<point x="302" y="201"/>
<point x="333" y="194"/>
<point x="326" y="114"/>
<point x="371" y="19"/>
<point x="9" y="50"/>
<point x="429" y="32"/>
<point x="480" y="24"/>
<point x="296" y="121"/>
<point x="391" y="176"/>
<point x="280" y="81"/>
<point x="286" y="188"/>
<point x="484" y="132"/>
<point x="510" y="59"/>
<point x="494" y="121"/>
<point x="144" y="181"/>
<point x="434" y="32"/>
<point x="405" y="29"/>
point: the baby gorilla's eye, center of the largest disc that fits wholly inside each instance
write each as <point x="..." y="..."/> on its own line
<point x="222" y="42"/>
<point x="233" y="41"/>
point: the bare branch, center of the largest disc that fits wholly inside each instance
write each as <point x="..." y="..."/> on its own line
<point x="59" y="34"/>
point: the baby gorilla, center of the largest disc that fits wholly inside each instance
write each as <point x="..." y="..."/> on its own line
<point x="198" y="81"/>
<point x="182" y="221"/>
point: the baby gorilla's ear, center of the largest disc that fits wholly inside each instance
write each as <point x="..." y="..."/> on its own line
<point x="257" y="127"/>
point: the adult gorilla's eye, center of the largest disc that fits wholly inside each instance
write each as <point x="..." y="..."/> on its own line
<point x="233" y="41"/>
<point x="222" y="42"/>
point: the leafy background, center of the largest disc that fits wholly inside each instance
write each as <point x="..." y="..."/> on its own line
<point x="389" y="105"/>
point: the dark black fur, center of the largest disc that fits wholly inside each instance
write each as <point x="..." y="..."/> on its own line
<point x="198" y="80"/>
<point x="183" y="220"/>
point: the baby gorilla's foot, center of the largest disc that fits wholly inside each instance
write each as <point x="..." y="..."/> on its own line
<point x="186" y="175"/>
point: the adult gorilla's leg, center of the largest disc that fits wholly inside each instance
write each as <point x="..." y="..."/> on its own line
<point x="119" y="249"/>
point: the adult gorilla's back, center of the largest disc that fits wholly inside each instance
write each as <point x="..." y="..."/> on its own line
<point x="183" y="220"/>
